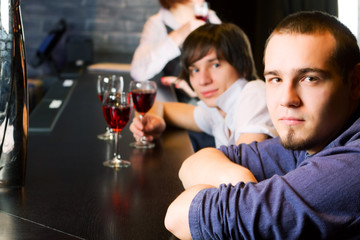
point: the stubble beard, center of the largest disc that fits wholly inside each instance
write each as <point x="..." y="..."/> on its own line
<point x="292" y="142"/>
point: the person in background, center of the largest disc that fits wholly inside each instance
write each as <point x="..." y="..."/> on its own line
<point x="304" y="184"/>
<point x="161" y="40"/>
<point x="218" y="62"/>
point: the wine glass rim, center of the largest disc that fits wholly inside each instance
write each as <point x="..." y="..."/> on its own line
<point x="142" y="84"/>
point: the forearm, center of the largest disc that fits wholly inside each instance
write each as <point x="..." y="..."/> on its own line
<point x="155" y="50"/>
<point x="211" y="166"/>
<point x="150" y="59"/>
<point x="165" y="113"/>
<point x="180" y="34"/>
<point x="180" y="115"/>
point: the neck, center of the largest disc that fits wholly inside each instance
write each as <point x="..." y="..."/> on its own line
<point x="353" y="115"/>
<point x="222" y="113"/>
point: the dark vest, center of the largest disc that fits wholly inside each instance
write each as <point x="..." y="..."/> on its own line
<point x="173" y="67"/>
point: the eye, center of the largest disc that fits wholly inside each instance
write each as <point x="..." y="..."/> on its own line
<point x="309" y="79"/>
<point x="193" y="70"/>
<point x="273" y="80"/>
<point x="216" y="65"/>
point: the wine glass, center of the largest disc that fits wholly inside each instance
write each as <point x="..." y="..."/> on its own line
<point x="201" y="10"/>
<point x="117" y="113"/>
<point x="101" y="86"/>
<point x="143" y="96"/>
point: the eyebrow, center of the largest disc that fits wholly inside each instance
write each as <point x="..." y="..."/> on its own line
<point x="316" y="70"/>
<point x="323" y="72"/>
<point x="270" y="73"/>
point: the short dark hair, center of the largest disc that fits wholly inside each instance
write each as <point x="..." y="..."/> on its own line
<point x="229" y="42"/>
<point x="346" y="53"/>
<point x="170" y="3"/>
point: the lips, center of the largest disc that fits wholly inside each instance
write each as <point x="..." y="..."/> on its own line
<point x="208" y="93"/>
<point x="291" y="121"/>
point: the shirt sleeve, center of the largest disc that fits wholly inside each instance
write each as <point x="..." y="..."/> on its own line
<point x="155" y="50"/>
<point x="252" y="115"/>
<point x="318" y="199"/>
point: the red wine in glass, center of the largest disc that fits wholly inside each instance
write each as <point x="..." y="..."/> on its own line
<point x="116" y="117"/>
<point x="100" y="96"/>
<point x="143" y="99"/>
<point x="201" y="17"/>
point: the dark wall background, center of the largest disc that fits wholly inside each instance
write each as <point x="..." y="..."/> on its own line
<point x="115" y="25"/>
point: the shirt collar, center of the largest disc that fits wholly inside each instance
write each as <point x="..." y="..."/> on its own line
<point x="227" y="100"/>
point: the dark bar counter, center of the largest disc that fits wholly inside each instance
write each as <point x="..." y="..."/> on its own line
<point x="69" y="194"/>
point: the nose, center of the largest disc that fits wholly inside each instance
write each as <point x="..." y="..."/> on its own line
<point x="290" y="95"/>
<point x="204" y="77"/>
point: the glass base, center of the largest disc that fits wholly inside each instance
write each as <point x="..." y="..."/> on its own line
<point x="117" y="163"/>
<point x="107" y="136"/>
<point x="142" y="144"/>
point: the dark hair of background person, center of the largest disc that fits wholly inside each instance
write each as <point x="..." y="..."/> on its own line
<point x="257" y="18"/>
<point x="346" y="54"/>
<point x="228" y="41"/>
<point x="170" y="3"/>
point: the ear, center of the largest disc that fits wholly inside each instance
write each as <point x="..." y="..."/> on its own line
<point x="355" y="82"/>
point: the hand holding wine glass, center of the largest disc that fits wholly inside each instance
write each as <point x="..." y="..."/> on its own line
<point x="143" y="96"/>
<point x="117" y="113"/>
<point x="201" y="10"/>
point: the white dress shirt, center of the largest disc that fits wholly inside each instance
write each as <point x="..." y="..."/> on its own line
<point x="156" y="48"/>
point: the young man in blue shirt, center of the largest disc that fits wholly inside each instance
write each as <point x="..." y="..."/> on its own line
<point x="304" y="184"/>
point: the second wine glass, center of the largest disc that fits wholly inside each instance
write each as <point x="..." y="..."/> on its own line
<point x="143" y="96"/>
<point x="117" y="112"/>
<point x="102" y="85"/>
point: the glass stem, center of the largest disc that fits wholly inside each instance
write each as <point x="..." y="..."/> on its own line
<point x="117" y="153"/>
<point x="143" y="138"/>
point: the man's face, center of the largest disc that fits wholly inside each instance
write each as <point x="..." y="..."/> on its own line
<point x="307" y="98"/>
<point x="210" y="77"/>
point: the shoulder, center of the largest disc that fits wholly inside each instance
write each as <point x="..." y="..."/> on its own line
<point x="254" y="87"/>
<point x="154" y="24"/>
<point x="155" y="19"/>
<point x="255" y="84"/>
